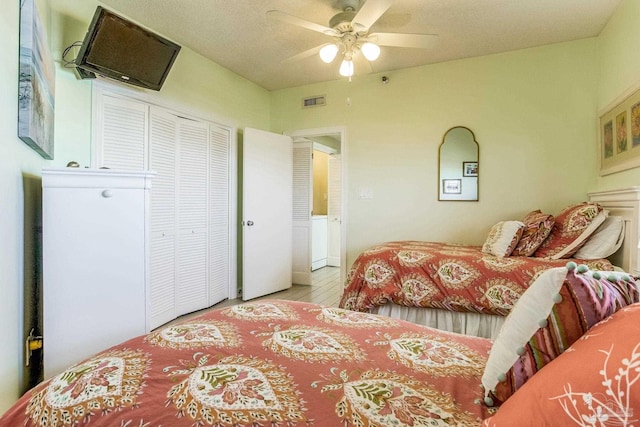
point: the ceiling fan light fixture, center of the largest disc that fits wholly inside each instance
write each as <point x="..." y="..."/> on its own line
<point x="346" y="68"/>
<point x="328" y="53"/>
<point x="370" y="51"/>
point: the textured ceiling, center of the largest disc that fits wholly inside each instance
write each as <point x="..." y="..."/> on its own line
<point x="237" y="34"/>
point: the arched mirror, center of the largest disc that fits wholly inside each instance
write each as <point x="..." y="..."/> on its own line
<point x="458" y="165"/>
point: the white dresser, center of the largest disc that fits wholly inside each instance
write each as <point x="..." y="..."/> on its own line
<point x="95" y="261"/>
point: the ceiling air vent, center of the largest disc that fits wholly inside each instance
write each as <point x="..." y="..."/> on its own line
<point x="314" y="101"/>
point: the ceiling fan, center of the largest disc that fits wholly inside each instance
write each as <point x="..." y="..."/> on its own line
<point x="350" y="32"/>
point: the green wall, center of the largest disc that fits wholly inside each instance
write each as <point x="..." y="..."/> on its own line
<point x="618" y="73"/>
<point x="195" y="85"/>
<point x="532" y="112"/>
<point x="17" y="160"/>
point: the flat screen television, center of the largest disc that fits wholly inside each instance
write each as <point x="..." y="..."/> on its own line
<point x="119" y="49"/>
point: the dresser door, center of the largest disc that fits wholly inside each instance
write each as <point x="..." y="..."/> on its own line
<point x="94" y="268"/>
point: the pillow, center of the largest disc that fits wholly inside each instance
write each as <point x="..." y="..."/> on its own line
<point x="503" y="238"/>
<point x="537" y="226"/>
<point x="606" y="240"/>
<point x="560" y="395"/>
<point x="550" y="316"/>
<point x="572" y="228"/>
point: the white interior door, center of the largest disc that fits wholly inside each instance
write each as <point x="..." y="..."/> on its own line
<point x="334" y="210"/>
<point x="302" y="206"/>
<point x="267" y="213"/>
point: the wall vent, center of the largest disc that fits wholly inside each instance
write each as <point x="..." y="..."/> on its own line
<point x="314" y="101"/>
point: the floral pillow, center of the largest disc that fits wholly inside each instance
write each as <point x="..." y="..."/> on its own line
<point x="551" y="314"/>
<point x="537" y="227"/>
<point x="503" y="238"/>
<point x="573" y="227"/>
<point x="604" y="391"/>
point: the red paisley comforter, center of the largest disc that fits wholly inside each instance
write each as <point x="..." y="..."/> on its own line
<point x="445" y="276"/>
<point x="270" y="363"/>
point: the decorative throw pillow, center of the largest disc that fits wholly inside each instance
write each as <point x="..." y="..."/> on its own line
<point x="537" y="227"/>
<point x="605" y="241"/>
<point x="595" y="383"/>
<point x="503" y="238"/>
<point x="573" y="227"/>
<point x="551" y="315"/>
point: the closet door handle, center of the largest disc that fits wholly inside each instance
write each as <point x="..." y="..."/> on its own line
<point x="249" y="223"/>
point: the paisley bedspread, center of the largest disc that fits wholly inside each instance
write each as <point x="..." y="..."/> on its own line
<point x="270" y="363"/>
<point x="443" y="276"/>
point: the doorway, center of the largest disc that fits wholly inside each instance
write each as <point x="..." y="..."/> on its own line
<point x="320" y="236"/>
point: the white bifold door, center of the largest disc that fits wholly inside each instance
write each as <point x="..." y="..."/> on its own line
<point x="302" y="211"/>
<point x="267" y="211"/>
<point x="192" y="227"/>
<point x="189" y="215"/>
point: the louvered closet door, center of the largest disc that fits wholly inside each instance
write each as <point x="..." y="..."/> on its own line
<point x="163" y="134"/>
<point x="190" y="218"/>
<point x="302" y="205"/>
<point x="121" y="137"/>
<point x="219" y="221"/>
<point x="193" y="211"/>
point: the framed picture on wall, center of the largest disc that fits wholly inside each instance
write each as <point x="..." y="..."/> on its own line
<point x="36" y="83"/>
<point x="469" y="168"/>
<point x="451" y="186"/>
<point x="635" y="125"/>
<point x="619" y="134"/>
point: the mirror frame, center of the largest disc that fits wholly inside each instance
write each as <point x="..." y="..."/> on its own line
<point x="473" y="136"/>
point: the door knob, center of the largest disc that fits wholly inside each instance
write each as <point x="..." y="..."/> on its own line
<point x="249" y="223"/>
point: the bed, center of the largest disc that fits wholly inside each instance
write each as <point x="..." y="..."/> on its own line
<point x="464" y="289"/>
<point x="270" y="363"/>
<point x="452" y="287"/>
<point x="282" y="363"/>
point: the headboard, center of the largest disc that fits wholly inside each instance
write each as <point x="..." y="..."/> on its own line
<point x="624" y="203"/>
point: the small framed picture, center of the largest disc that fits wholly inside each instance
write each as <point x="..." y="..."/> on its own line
<point x="451" y="186"/>
<point x="469" y="168"/>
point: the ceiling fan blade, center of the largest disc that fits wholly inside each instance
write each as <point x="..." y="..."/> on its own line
<point x="303" y="55"/>
<point x="290" y="19"/>
<point x="421" y="41"/>
<point x="369" y="13"/>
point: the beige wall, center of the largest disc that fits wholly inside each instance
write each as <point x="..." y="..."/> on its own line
<point x="531" y="111"/>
